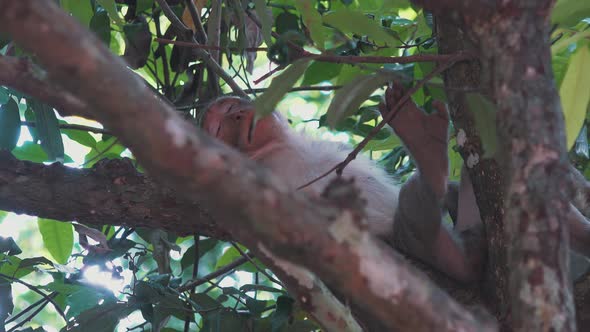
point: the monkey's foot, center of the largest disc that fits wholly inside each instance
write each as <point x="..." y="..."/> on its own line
<point x="424" y="135"/>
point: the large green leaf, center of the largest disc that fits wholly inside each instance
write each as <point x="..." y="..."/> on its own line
<point x="80" y="9"/>
<point x="9" y="125"/>
<point x="80" y="136"/>
<point x="111" y="7"/>
<point x="47" y="127"/>
<point x="356" y="22"/>
<point x="31" y="152"/>
<point x="575" y="92"/>
<point x="313" y="21"/>
<point x="264" y="17"/>
<point x="348" y="99"/>
<point x="319" y="71"/>
<point x="58" y="238"/>
<point x="101" y="25"/>
<point x="570" y="12"/>
<point x="280" y="85"/>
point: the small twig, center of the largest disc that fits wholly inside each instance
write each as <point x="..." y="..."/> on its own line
<point x="388" y="59"/>
<point x="226" y="269"/>
<point x="208" y="47"/>
<point x="197" y="21"/>
<point x="392" y="113"/>
<point x="72" y="126"/>
<point x="269" y="74"/>
<point x="30" y="317"/>
<point x="300" y="88"/>
<point x="261" y="270"/>
<point x="101" y="153"/>
<point x="38" y="291"/>
<point x="202" y="54"/>
<point x="30" y="307"/>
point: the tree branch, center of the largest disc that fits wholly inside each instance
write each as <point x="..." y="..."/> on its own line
<point x="111" y="192"/>
<point x="238" y="194"/>
<point x="22" y="75"/>
<point x="187" y="33"/>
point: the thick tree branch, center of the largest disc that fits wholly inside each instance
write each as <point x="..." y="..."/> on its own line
<point x="362" y="269"/>
<point x="22" y="75"/>
<point x="514" y="43"/>
<point x="111" y="192"/>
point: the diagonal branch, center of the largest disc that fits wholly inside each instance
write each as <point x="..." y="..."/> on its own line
<point x="22" y="75"/>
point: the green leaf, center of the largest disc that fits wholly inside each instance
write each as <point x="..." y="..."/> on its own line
<point x="575" y="93"/>
<point x="286" y="22"/>
<point x="111" y="7"/>
<point x="4" y="95"/>
<point x="9" y="125"/>
<point x="205" y="246"/>
<point x="31" y="152"/>
<point x="143" y="5"/>
<point x="47" y="127"/>
<point x="348" y="99"/>
<point x="8" y="246"/>
<point x="86" y="298"/>
<point x="101" y="25"/>
<point x="319" y="71"/>
<point x="102" y="318"/>
<point x="313" y="21"/>
<point x="484" y="113"/>
<point x="11" y="266"/>
<point x="349" y="21"/>
<point x="80" y="136"/>
<point x="82" y="10"/>
<point x="383" y="145"/>
<point x="58" y="238"/>
<point x="224" y="320"/>
<point x="282" y="314"/>
<point x="569" y="12"/>
<point x="280" y="85"/>
<point x="263" y="15"/>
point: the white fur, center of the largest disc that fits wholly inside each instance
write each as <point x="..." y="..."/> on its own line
<point x="301" y="159"/>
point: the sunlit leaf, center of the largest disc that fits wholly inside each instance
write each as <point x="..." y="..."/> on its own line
<point x="569" y="12"/>
<point x="58" y="238"/>
<point x="80" y="136"/>
<point x="575" y="93"/>
<point x="31" y="152"/>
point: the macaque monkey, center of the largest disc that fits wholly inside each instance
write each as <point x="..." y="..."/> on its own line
<point x="411" y="217"/>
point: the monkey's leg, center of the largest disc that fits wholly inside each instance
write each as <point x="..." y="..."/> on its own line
<point x="418" y="227"/>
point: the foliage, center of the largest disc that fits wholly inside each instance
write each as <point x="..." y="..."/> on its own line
<point x="296" y="32"/>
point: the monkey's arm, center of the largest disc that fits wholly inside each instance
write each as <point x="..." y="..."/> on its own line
<point x="418" y="224"/>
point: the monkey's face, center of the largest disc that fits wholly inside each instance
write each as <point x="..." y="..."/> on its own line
<point x="231" y="120"/>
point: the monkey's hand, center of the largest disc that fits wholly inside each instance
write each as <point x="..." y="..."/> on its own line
<point x="424" y="135"/>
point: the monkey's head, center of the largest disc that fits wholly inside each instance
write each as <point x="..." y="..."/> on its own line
<point x="230" y="119"/>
